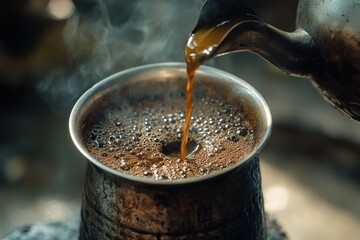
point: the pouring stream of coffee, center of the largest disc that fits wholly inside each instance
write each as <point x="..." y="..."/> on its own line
<point x="197" y="51"/>
<point x="202" y="43"/>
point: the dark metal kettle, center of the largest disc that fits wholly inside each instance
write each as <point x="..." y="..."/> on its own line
<point x="324" y="47"/>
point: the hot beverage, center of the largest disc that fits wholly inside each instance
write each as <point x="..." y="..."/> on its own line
<point x="142" y="136"/>
<point x="197" y="51"/>
<point x="129" y="127"/>
<point x="151" y="137"/>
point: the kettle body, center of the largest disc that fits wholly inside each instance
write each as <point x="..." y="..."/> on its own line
<point x="334" y="27"/>
<point x="325" y="47"/>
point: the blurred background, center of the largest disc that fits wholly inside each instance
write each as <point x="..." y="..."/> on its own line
<point x="51" y="51"/>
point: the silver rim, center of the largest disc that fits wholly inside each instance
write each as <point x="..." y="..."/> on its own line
<point x="103" y="84"/>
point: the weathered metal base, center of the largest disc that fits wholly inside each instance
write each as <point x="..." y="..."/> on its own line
<point x="226" y="207"/>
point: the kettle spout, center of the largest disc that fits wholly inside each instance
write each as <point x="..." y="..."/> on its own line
<point x="293" y="52"/>
<point x="230" y="26"/>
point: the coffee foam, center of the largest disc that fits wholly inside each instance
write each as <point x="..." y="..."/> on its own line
<point x="131" y="137"/>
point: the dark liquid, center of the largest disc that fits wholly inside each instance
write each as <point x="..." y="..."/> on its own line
<point x="197" y="51"/>
<point x="143" y="137"/>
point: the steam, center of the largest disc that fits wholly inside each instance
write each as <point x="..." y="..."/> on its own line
<point x="114" y="35"/>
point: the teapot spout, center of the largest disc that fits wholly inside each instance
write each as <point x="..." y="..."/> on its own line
<point x="293" y="52"/>
<point x="230" y="26"/>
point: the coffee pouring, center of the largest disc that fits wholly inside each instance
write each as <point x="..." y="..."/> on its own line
<point x="325" y="47"/>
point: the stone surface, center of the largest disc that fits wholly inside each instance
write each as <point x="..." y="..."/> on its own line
<point x="65" y="230"/>
<point x="69" y="230"/>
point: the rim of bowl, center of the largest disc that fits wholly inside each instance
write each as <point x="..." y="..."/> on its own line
<point x="76" y="136"/>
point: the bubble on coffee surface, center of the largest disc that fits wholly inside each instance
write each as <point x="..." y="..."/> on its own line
<point x="144" y="138"/>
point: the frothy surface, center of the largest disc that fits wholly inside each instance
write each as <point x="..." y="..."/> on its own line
<point x="142" y="137"/>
